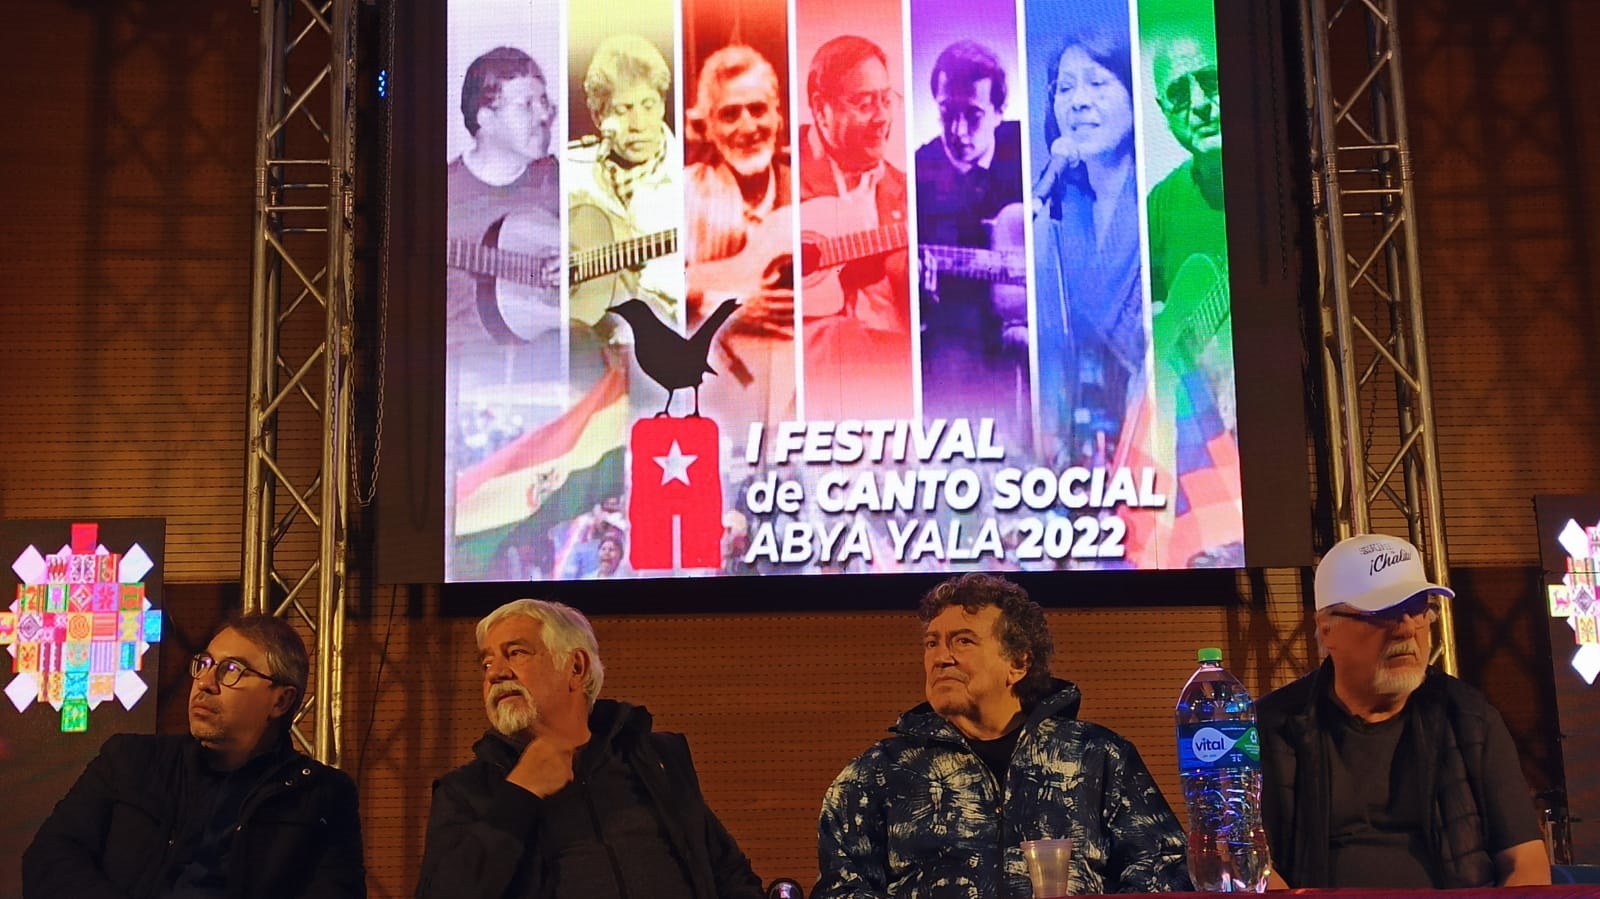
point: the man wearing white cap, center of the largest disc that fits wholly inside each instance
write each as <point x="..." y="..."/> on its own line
<point x="1378" y="772"/>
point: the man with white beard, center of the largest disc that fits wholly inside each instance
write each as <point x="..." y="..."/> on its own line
<point x="1377" y="771"/>
<point x="568" y="795"/>
<point x="737" y="208"/>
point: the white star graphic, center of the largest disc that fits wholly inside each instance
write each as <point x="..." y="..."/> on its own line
<point x="675" y="465"/>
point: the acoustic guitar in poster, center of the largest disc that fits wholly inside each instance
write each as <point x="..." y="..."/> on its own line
<point x="603" y="268"/>
<point x="841" y="233"/>
<point x="516" y="266"/>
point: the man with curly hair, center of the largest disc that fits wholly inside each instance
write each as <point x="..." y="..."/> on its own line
<point x="996" y="756"/>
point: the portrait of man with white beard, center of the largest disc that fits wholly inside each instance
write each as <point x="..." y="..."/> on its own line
<point x="738" y="236"/>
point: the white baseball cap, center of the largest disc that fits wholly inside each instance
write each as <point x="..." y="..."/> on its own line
<point x="1373" y="572"/>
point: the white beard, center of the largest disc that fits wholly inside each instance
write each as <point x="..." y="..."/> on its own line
<point x="1399" y="682"/>
<point x="511" y="720"/>
<point x="749" y="164"/>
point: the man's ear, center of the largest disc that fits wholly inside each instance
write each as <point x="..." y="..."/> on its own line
<point x="284" y="701"/>
<point x="1019" y="669"/>
<point x="1321" y="625"/>
<point x="577" y="670"/>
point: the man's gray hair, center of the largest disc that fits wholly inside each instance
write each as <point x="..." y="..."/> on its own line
<point x="621" y="58"/>
<point x="564" y="630"/>
<point x="726" y="64"/>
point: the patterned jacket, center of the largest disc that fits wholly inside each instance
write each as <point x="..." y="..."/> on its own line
<point x="919" y="815"/>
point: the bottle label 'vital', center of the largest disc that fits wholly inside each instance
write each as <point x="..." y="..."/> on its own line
<point x="1223" y="744"/>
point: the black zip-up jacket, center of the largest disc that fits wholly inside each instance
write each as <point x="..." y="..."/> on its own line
<point x="116" y="833"/>
<point x="484" y="834"/>
<point x="1449" y="767"/>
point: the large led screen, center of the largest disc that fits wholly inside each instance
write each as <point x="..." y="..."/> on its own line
<point x="821" y="287"/>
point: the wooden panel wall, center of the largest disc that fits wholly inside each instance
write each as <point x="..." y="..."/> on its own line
<point x="126" y="166"/>
<point x="121" y="392"/>
<point x="1502" y="119"/>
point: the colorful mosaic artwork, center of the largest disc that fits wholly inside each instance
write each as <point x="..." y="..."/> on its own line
<point x="1577" y="597"/>
<point x="79" y="627"/>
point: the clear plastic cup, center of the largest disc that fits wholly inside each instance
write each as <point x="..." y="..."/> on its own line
<point x="1049" y="867"/>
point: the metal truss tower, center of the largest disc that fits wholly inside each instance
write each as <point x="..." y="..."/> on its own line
<point x="297" y="481"/>
<point x="1385" y="461"/>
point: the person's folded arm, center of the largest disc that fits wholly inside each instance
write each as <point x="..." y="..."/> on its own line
<point x="1149" y="852"/>
<point x="852" y="837"/>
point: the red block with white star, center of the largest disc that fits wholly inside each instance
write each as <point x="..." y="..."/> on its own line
<point x="676" y="477"/>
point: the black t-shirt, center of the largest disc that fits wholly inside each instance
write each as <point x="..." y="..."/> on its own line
<point x="1377" y="814"/>
<point x="1380" y="811"/>
<point x="996" y="754"/>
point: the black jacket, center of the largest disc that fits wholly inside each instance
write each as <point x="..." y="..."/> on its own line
<point x="484" y="833"/>
<point x="1453" y="725"/>
<point x="116" y="832"/>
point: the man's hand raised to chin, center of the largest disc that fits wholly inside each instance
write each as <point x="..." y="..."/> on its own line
<point x="545" y="766"/>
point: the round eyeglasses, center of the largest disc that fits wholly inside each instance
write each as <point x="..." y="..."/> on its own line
<point x="869" y="102"/>
<point x="228" y="670"/>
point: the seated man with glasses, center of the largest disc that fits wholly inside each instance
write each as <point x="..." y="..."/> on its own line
<point x="1378" y="772"/>
<point x="230" y="810"/>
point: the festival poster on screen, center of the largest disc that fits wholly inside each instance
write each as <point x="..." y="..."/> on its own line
<point x="796" y="286"/>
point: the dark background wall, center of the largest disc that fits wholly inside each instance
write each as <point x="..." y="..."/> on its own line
<point x="126" y="171"/>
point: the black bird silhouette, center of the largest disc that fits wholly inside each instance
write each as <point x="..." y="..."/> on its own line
<point x="668" y="358"/>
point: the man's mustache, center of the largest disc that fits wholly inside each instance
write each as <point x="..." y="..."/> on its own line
<point x="1408" y="647"/>
<point x="505" y="688"/>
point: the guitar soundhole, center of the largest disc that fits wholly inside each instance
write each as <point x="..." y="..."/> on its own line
<point x="779" y="274"/>
<point x="810" y="256"/>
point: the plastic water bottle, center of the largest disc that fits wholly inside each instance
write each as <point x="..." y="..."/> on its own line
<point x="1219" y="759"/>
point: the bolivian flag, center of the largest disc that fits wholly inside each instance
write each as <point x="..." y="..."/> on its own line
<point x="543" y="477"/>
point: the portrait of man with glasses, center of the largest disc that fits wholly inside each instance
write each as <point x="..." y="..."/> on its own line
<point x="857" y="307"/>
<point x="504" y="325"/>
<point x="1377" y="770"/>
<point x="1191" y="301"/>
<point x="502" y="197"/>
<point x="1185" y="208"/>
<point x="229" y="809"/>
